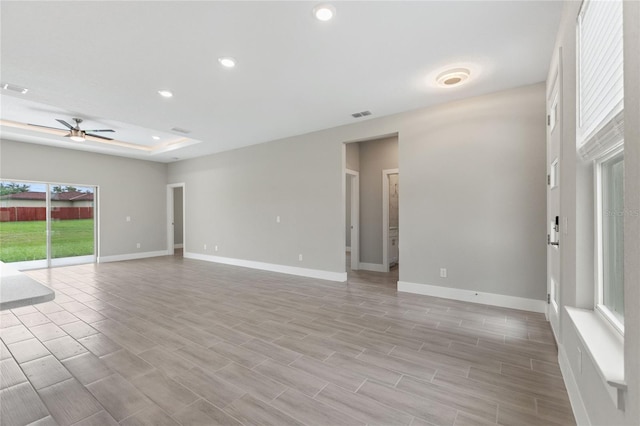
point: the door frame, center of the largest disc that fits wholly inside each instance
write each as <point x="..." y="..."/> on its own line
<point x="355" y="218"/>
<point x="385" y="216"/>
<point x="171" y="216"/>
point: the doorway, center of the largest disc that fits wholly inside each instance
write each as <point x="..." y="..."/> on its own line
<point x="175" y="219"/>
<point x="352" y="219"/>
<point x="47" y="224"/>
<point x="390" y="218"/>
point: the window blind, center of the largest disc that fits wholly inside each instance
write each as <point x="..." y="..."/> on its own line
<point x="600" y="66"/>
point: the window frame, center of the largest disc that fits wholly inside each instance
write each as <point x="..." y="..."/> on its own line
<point x="599" y="306"/>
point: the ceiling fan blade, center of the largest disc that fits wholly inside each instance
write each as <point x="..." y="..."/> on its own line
<point x="100" y="130"/>
<point x="64" y="123"/>
<point x="46" y="127"/>
<point x="97" y="136"/>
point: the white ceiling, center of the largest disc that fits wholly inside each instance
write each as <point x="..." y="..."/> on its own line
<point x="105" y="61"/>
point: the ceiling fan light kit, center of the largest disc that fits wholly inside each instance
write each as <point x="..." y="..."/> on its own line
<point x="75" y="133"/>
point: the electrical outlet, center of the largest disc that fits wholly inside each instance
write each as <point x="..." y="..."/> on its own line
<point x="277" y="219"/>
<point x="216" y="248"/>
<point x="300" y="257"/>
<point x="443" y="272"/>
<point x="138" y="245"/>
<point x="205" y="246"/>
<point x="128" y="218"/>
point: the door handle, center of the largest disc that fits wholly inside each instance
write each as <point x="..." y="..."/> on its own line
<point x="552" y="243"/>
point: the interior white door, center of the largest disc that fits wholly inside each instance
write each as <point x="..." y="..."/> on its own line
<point x="554" y="141"/>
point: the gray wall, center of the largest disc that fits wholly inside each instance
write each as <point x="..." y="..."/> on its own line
<point x="353" y="156"/>
<point x="234" y="198"/>
<point x="577" y="255"/>
<point x="375" y="156"/>
<point x="177" y="215"/>
<point x="473" y="195"/>
<point x="127" y="187"/>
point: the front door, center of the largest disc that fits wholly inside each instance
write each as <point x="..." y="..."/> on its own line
<point x="554" y="138"/>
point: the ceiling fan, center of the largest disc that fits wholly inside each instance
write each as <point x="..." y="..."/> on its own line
<point x="75" y="133"/>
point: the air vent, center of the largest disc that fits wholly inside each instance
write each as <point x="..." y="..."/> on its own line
<point x="361" y="114"/>
<point x="179" y="130"/>
<point x="14" y="88"/>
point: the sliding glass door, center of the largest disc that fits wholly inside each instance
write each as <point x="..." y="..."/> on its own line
<point x="23" y="223"/>
<point x="47" y="224"/>
<point x="71" y="224"/>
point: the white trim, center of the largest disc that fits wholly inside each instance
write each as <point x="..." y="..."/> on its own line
<point x="272" y="267"/>
<point x="29" y="264"/>
<point x="573" y="390"/>
<point x="76" y="260"/>
<point x="131" y="256"/>
<point x="493" y="299"/>
<point x="374" y="267"/>
<point x="385" y="216"/>
<point x="175" y="246"/>
<point x="605" y="347"/>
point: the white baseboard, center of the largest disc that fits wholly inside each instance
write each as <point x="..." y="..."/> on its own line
<point x="272" y="267"/>
<point x="131" y="256"/>
<point x="178" y="246"/>
<point x="348" y="249"/>
<point x="577" y="404"/>
<point x="493" y="299"/>
<point x="374" y="267"/>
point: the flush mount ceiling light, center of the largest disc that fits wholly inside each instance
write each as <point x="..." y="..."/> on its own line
<point x="324" y="12"/>
<point x="227" y="62"/>
<point x="453" y="77"/>
<point x="165" y="93"/>
<point x="155" y="138"/>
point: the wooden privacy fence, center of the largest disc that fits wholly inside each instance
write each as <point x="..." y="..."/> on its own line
<point x="28" y="214"/>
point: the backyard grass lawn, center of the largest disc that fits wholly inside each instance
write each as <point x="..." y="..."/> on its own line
<point x="21" y="241"/>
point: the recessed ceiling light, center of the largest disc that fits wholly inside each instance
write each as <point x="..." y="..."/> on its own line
<point x="453" y="77"/>
<point x="165" y="93"/>
<point x="14" y="88"/>
<point x="227" y="62"/>
<point x="324" y="12"/>
<point x="155" y="138"/>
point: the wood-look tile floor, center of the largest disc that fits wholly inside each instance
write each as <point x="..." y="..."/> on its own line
<point x="169" y="341"/>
